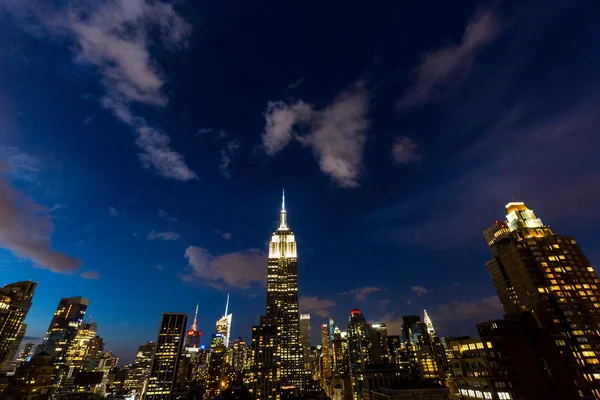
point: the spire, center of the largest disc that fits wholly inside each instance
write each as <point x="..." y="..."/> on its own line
<point x="194" y="326"/>
<point x="227" y="305"/>
<point x="282" y="217"/>
<point x="428" y="323"/>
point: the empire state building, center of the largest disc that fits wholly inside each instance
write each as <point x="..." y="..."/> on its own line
<point x="278" y="351"/>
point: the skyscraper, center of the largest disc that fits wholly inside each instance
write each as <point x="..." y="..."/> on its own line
<point x="78" y="349"/>
<point x="305" y="333"/>
<point x="326" y="358"/>
<point x="358" y="347"/>
<point x="192" y="338"/>
<point x="224" y="325"/>
<point x="282" y="307"/>
<point x="15" y="302"/>
<point x="536" y="270"/>
<point x="169" y="346"/>
<point x="64" y="327"/>
<point x="137" y="376"/>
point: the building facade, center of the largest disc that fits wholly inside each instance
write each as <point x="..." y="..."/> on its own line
<point x="15" y="302"/>
<point x="169" y="345"/>
<point x="305" y="334"/>
<point x="536" y="270"/>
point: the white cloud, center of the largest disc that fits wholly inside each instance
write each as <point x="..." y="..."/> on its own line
<point x="113" y="212"/>
<point x="452" y="63"/>
<point x="405" y="150"/>
<point x="475" y="311"/>
<point x="239" y="269"/>
<point x="115" y="37"/>
<point x="336" y="134"/>
<point x="26" y="227"/>
<point x="314" y="305"/>
<point x="226" y="157"/>
<point x="226" y="235"/>
<point x="168" y="236"/>
<point x="420" y="290"/>
<point x="162" y="214"/>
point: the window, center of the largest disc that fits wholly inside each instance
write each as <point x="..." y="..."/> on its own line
<point x="504" y="396"/>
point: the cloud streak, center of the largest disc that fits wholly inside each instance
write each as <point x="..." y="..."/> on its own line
<point x="451" y="64"/>
<point x="239" y="269"/>
<point x="405" y="151"/>
<point x="420" y="290"/>
<point x="167" y="236"/>
<point x="26" y="228"/>
<point x="315" y="305"/>
<point x="361" y="294"/>
<point x="115" y="37"/>
<point x="337" y="134"/>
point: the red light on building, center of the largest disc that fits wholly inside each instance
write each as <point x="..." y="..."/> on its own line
<point x="355" y="311"/>
<point x="190" y="332"/>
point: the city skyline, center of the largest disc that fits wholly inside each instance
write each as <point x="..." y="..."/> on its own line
<point x="391" y="225"/>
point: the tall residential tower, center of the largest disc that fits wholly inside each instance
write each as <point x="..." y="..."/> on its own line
<point x="15" y="302"/>
<point x="538" y="271"/>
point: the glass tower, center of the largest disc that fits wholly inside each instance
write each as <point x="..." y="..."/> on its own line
<point x="536" y="270"/>
<point x="165" y="363"/>
<point x="64" y="327"/>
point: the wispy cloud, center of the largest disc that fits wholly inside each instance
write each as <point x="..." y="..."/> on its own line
<point x="473" y="311"/>
<point x="336" y="134"/>
<point x="239" y="269"/>
<point x="90" y="275"/>
<point x="113" y="212"/>
<point x="162" y="214"/>
<point x="315" y="305"/>
<point x="361" y="294"/>
<point x="294" y="85"/>
<point x="451" y="64"/>
<point x="115" y="38"/>
<point x="226" y="157"/>
<point x="393" y="323"/>
<point x="405" y="150"/>
<point x="26" y="228"/>
<point x="226" y="235"/>
<point x="420" y="290"/>
<point x="22" y="165"/>
<point x="167" y="236"/>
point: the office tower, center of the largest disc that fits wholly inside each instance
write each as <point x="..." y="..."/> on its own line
<point x="358" y="347"/>
<point x="378" y="347"/>
<point x="282" y="308"/>
<point x="15" y="302"/>
<point x="33" y="380"/>
<point x="95" y="348"/>
<point x="216" y="379"/>
<point x="264" y="349"/>
<point x="169" y="345"/>
<point x="239" y="354"/>
<point x="437" y="349"/>
<point x="224" y="325"/>
<point x="77" y="351"/>
<point x="539" y="271"/>
<point x="395" y="349"/>
<point x="326" y="358"/>
<point x="419" y="354"/>
<point x="26" y="352"/>
<point x="64" y="327"/>
<point x="192" y="338"/>
<point x="136" y="378"/>
<point x="305" y="334"/>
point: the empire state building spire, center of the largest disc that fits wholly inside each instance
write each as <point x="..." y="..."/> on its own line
<point x="283" y="216"/>
<point x="194" y="326"/>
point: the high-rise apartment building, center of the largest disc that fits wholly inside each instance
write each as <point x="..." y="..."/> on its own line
<point x="378" y="347"/>
<point x="78" y="349"/>
<point x="539" y="271"/>
<point x="15" y="302"/>
<point x="224" y="325"/>
<point x="305" y="334"/>
<point x="264" y="370"/>
<point x="169" y="345"/>
<point x="282" y="310"/>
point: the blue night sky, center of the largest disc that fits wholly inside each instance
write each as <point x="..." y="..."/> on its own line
<point x="144" y="146"/>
